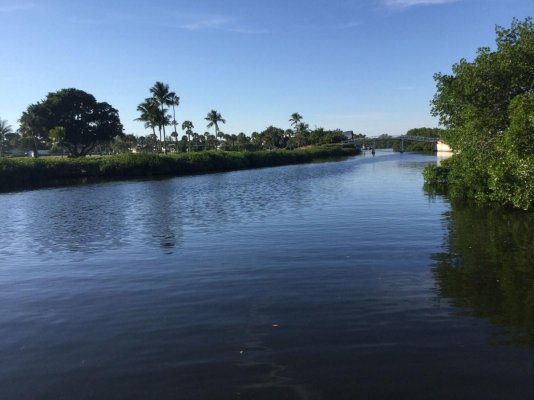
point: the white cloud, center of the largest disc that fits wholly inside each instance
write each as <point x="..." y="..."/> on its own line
<point x="349" y="25"/>
<point x="190" y="22"/>
<point x="355" y="117"/>
<point x="410" y="3"/>
<point x="214" y="22"/>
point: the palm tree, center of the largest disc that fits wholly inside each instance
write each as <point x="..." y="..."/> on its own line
<point x="162" y="121"/>
<point x="5" y="129"/>
<point x="164" y="97"/>
<point x="154" y="139"/>
<point x="149" y="114"/>
<point x="197" y="140"/>
<point x="175" y="101"/>
<point x="214" y="117"/>
<point x="187" y="126"/>
<point x="301" y="132"/>
<point x="295" y="120"/>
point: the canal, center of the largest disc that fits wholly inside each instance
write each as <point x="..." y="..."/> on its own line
<point x="332" y="280"/>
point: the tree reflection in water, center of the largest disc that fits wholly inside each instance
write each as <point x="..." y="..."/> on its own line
<point x="488" y="270"/>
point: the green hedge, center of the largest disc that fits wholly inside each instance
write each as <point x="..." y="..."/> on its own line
<point x="16" y="173"/>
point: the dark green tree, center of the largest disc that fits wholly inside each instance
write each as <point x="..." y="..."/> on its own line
<point x="149" y="111"/>
<point x="174" y="102"/>
<point x="214" y="118"/>
<point x="188" y="127"/>
<point x="295" y="119"/>
<point x="163" y="97"/>
<point x="72" y="119"/>
<point x="302" y="131"/>
<point x="242" y="141"/>
<point x="33" y="128"/>
<point x="487" y="107"/>
<point x="5" y="130"/>
<point x="272" y="138"/>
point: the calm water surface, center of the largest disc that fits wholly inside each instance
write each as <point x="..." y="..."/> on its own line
<point x="339" y="280"/>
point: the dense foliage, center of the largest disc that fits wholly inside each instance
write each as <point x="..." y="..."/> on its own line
<point x="5" y="130"/>
<point x="30" y="172"/>
<point x="73" y="119"/>
<point x="487" y="106"/>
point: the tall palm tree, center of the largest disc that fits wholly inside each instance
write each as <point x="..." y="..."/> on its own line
<point x="214" y="117"/>
<point x="174" y="135"/>
<point x="149" y="111"/>
<point x="5" y="129"/>
<point x="187" y="126"/>
<point x="295" y="120"/>
<point x="164" y="97"/>
<point x="175" y="101"/>
<point x="163" y="120"/>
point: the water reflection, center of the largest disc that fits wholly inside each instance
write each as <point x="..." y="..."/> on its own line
<point x="488" y="271"/>
<point x="85" y="220"/>
<point x="91" y="219"/>
<point x="162" y="216"/>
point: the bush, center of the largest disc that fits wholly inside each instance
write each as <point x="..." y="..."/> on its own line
<point x="38" y="172"/>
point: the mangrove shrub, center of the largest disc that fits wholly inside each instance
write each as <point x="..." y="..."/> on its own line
<point x="487" y="106"/>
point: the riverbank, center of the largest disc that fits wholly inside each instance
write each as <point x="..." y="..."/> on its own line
<point x="27" y="173"/>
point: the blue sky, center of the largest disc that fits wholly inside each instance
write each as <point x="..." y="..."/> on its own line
<point x="362" y="65"/>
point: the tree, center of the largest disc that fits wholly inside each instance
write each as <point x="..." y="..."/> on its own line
<point x="214" y="118"/>
<point x="5" y="130"/>
<point x="73" y="119"/>
<point x="322" y="136"/>
<point x="295" y="119"/>
<point x="163" y="97"/>
<point x="272" y="138"/>
<point x="242" y="141"/>
<point x="482" y="104"/>
<point x="175" y="102"/>
<point x="149" y="114"/>
<point x="188" y="127"/>
<point x="12" y="141"/>
<point x="33" y="127"/>
<point x="301" y="133"/>
<point x="124" y="144"/>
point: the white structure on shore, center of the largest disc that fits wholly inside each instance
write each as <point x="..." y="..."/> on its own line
<point x="442" y="147"/>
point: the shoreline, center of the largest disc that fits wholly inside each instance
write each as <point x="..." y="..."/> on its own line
<point x="18" y="174"/>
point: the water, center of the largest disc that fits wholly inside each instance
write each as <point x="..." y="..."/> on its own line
<point x="337" y="280"/>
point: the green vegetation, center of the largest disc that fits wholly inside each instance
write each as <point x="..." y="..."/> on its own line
<point x="487" y="107"/>
<point x="71" y="122"/>
<point x="18" y="173"/>
<point x="214" y="118"/>
<point x="162" y="96"/>
<point x="71" y="119"/>
<point x="5" y="130"/>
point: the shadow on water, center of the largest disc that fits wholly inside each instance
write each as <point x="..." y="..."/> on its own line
<point x="487" y="270"/>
